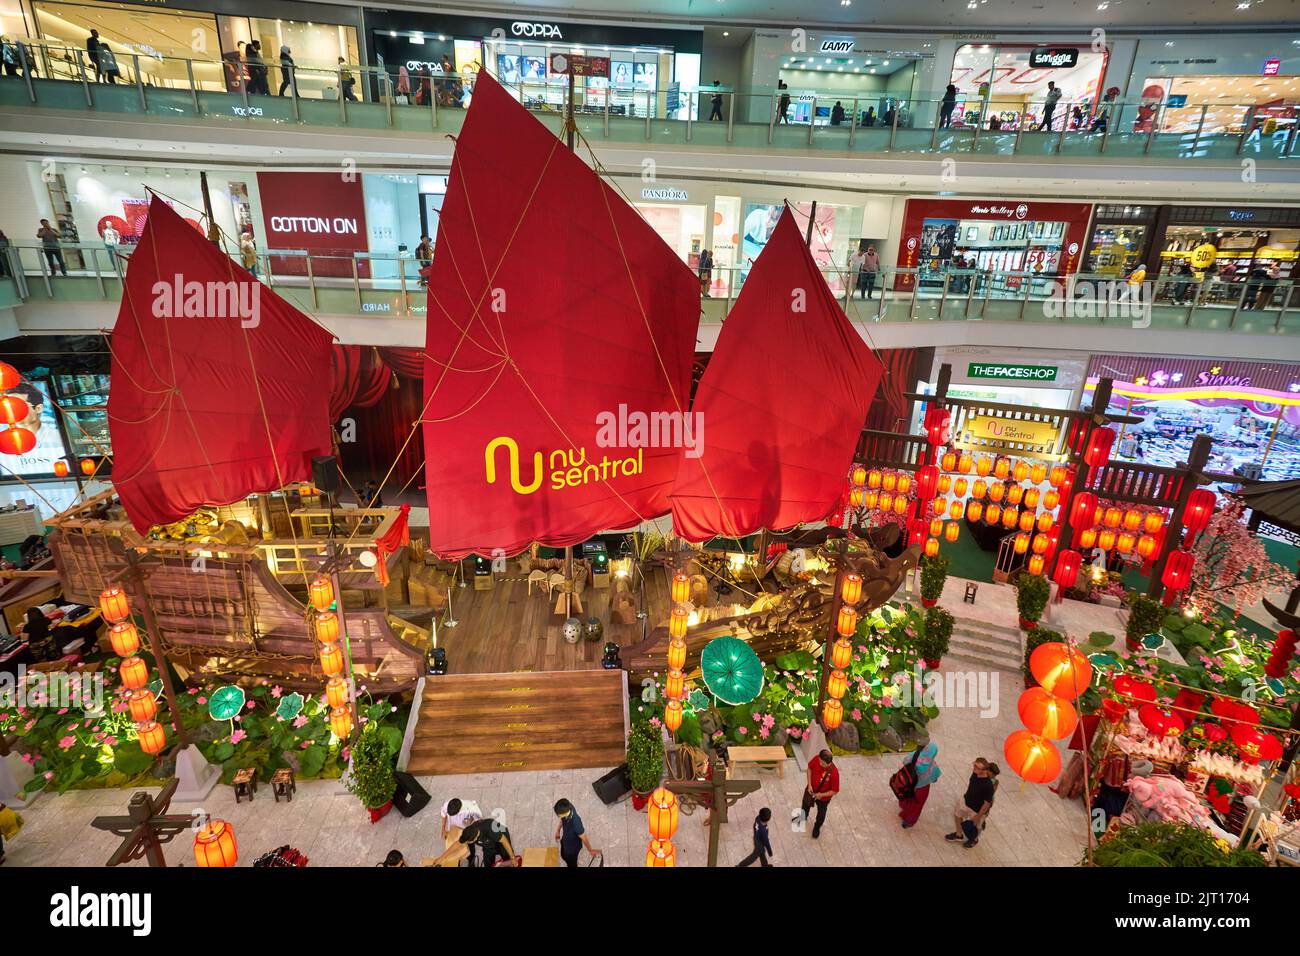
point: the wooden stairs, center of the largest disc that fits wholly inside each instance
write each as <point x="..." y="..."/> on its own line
<point x="522" y="720"/>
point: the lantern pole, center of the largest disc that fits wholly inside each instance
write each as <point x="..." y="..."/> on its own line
<point x="155" y="643"/>
<point x="332" y="551"/>
<point x="837" y="602"/>
<point x="1197" y="458"/>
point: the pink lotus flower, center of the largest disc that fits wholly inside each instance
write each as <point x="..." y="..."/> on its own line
<point x="299" y="720"/>
<point x="252" y="704"/>
<point x="276" y="691"/>
<point x="306" y="744"/>
<point x="119" y="706"/>
<point x="764" y="733"/>
<point x="201" y="701"/>
<point x="111" y="741"/>
<point x="237" y="736"/>
<point x="856" y="714"/>
<point x="742" y="730"/>
<point x="875" y="718"/>
<point x="28" y="758"/>
<point x="49" y="775"/>
<point x="655" y="722"/>
<point x="62" y="711"/>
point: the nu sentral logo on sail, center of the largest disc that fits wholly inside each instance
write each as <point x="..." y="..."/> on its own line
<point x="75" y="910"/>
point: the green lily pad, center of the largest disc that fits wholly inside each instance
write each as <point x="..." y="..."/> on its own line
<point x="226" y="702"/>
<point x="1275" y="685"/>
<point x="290" y="706"/>
<point x="731" y="669"/>
<point x="1102" y="660"/>
<point x="698" y="700"/>
<point x="1101" y="639"/>
<point x="1153" y="641"/>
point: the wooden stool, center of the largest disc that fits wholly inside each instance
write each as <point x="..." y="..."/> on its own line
<point x="971" y="588"/>
<point x="283" y="784"/>
<point x="245" y="783"/>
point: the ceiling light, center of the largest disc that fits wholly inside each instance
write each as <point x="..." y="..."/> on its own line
<point x="1103" y="5"/>
<point x="726" y="33"/>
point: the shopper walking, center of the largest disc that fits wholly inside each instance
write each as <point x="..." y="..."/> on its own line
<point x="346" y="82"/>
<point x="256" y="69"/>
<point x="1185" y="278"/>
<point x="286" y="72"/>
<point x="1271" y="278"/>
<point x="837" y="113"/>
<point x="867" y="273"/>
<point x="11" y="56"/>
<point x="248" y="253"/>
<point x="823" y="784"/>
<point x="1133" y="284"/>
<point x="973" y="806"/>
<point x="783" y="102"/>
<point x="705" y="271"/>
<point x="1049" y="105"/>
<point x="924" y="767"/>
<point x="762" y="843"/>
<point x="715" y="100"/>
<point x="92" y="54"/>
<point x="108" y="63"/>
<point x="50" y="246"/>
<point x="947" y="105"/>
<point x="571" y="834"/>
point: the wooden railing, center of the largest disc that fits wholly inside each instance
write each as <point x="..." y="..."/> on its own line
<point x="1138" y="484"/>
<point x="890" y="450"/>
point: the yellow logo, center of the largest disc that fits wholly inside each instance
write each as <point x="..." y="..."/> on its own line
<point x="565" y="467"/>
<point x="1202" y="256"/>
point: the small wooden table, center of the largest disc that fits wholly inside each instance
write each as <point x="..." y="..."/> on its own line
<point x="771" y="757"/>
<point x="245" y="783"/>
<point x="283" y="784"/>
<point x="542" y="856"/>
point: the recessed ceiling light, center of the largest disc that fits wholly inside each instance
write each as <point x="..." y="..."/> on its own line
<point x="726" y="33"/>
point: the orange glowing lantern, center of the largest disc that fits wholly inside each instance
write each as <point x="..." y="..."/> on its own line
<point x="1035" y="759"/>
<point x="153" y="738"/>
<point x="1035" y="564"/>
<point x="124" y="638"/>
<point x="1146" y="546"/>
<point x="1106" y="540"/>
<point x="1020" y="472"/>
<point x="841" y="653"/>
<point x="931" y="547"/>
<point x="320" y="593"/>
<point x="1124" y="543"/>
<point x="1037" y="473"/>
<point x="341" y="722"/>
<point x="886" y="501"/>
<point x="1039" y="544"/>
<point x="215" y="846"/>
<point x="9" y="377"/>
<point x="856" y="497"/>
<point x="134" y="673"/>
<point x="1045" y="522"/>
<point x="1057" y="475"/>
<point x="88" y="466"/>
<point x="1060" y="669"/>
<point x="1088" y="538"/>
<point x="1026" y="521"/>
<point x="974" y="511"/>
<point x="673" y="715"/>
<point x="676" y="654"/>
<point x="964" y="464"/>
<point x="847" y="623"/>
<point x="993" y="514"/>
<point x="327" y="627"/>
<point x="61" y="469"/>
<point x="936" y="527"/>
<point x="956" y="509"/>
<point x="983" y="466"/>
<point x="900" y="504"/>
<point x="979" y="490"/>
<point x="832" y="714"/>
<point x="675" y="685"/>
<point x="660" y="854"/>
<point x="142" y="706"/>
<point x="837" y="684"/>
<point x="1112" y="517"/>
<point x="951" y="531"/>
<point x="1010" y="515"/>
<point x="944" y="485"/>
<point x="1047" y="715"/>
<point x="904" y="484"/>
<point x="17" y="441"/>
<point x="959" y="487"/>
<point x="113" y="604"/>
<point x="681" y="590"/>
<point x="1015" y="494"/>
<point x="1132" y="520"/>
<point x="1002" y="468"/>
<point x="1031" y="497"/>
<point x="859" y="476"/>
<point x="889" y="481"/>
<point x="1022" y="543"/>
<point x="331" y="660"/>
<point x="851" y="588"/>
<point x="949" y="461"/>
<point x="13" y="409"/>
<point x="997" y="492"/>
<point x="678" y="619"/>
<point x="1152" y="522"/>
<point x="1051" y="499"/>
<point x="336" y="693"/>
<point x="662" y="813"/>
<point x="870" y="499"/>
<point x="873" y="478"/>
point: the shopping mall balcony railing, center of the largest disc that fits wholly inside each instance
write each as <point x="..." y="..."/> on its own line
<point x="390" y="287"/>
<point x="221" y="90"/>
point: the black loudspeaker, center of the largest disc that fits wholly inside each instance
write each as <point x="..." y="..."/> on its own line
<point x="325" y="473"/>
<point x="614" y="786"/>
<point x="410" y="797"/>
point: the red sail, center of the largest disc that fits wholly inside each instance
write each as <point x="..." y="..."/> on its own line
<point x="220" y="388"/>
<point x="555" y="314"/>
<point x="781" y="404"/>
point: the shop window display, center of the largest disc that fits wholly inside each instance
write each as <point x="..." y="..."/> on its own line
<point x="1000" y="81"/>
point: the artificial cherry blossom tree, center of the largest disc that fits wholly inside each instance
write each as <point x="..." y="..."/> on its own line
<point x="1232" y="566"/>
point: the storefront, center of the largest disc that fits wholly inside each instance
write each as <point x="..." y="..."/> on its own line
<point x="1250" y="410"/>
<point x="1010" y="81"/>
<point x="211" y="33"/>
<point x="1035" y="378"/>
<point x="1120" y="238"/>
<point x="1040" y="239"/>
<point x="1243" y="239"/>
<point x="649" y="67"/>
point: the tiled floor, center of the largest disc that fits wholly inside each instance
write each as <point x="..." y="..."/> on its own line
<point x="1028" y="826"/>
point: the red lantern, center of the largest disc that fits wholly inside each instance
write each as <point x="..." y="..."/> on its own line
<point x="993" y="513"/>
<point x="1233" y="712"/>
<point x="1031" y="497"/>
<point x="1114" y="710"/>
<point x="851" y="588"/>
<point x="1039" y="544"/>
<point x="1146" y="546"/>
<point x="936" y="527"/>
<point x="17" y="441"/>
<point x="997" y="491"/>
<point x="61" y="469"/>
<point x="215" y="846"/>
<point x="1035" y="565"/>
<point x="1088" y="539"/>
<point x="320" y="593"/>
<point x="1045" y="522"/>
<point x="1035" y="759"/>
<point x="1022" y="543"/>
<point x="1097" y="454"/>
<point x="859" y="476"/>
<point x="1199" y="510"/>
<point x="1254" y="745"/>
<point x="1134" y="691"/>
<point x="113" y="604"/>
<point x="662" y="813"/>
<point x="1015" y="494"/>
<point x="938" y="425"/>
<point x="1056" y="476"/>
<point x="832" y="714"/>
<point x="88" y="466"/>
<point x="1046" y="715"/>
<point x="841" y="654"/>
<point x="142" y="705"/>
<point x="1161" y="721"/>
<point x="134" y="673"/>
<point x="931" y="547"/>
<point x="951" y="531"/>
<point x="1178" y="570"/>
<point x="949" y="461"/>
<point x="847" y="624"/>
<point x="979" y="490"/>
<point x="13" y="409"/>
<point x="1060" y="669"/>
<point x="153" y="738"/>
<point x="927" y="482"/>
<point x="1279" y="659"/>
<point x="660" y="854"/>
<point x="9" y="377"/>
<point x="1051" y="499"/>
<point x="983" y="465"/>
<point x="973" y="511"/>
<point x="1067" y="569"/>
<point x="1106" y="540"/>
<point x="1112" y="517"/>
<point x="1083" y="510"/>
<point x="681" y="589"/>
<point x="1125" y="542"/>
<point x="1027" y="521"/>
<point x="1152" y="522"/>
<point x="124" y="638"/>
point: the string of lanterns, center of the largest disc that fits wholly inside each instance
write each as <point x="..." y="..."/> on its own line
<point x="15" y="439"/>
<point x="325" y="624"/>
<point x="841" y="650"/>
<point x="679" y="620"/>
<point x="1062" y="673"/>
<point x="133" y="670"/>
<point x="661" y="813"/>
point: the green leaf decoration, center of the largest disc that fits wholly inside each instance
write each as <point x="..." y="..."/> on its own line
<point x="290" y="706"/>
<point x="311" y="760"/>
<point x="796" y="661"/>
<point x="155" y="687"/>
<point x="226" y="702"/>
<point x="1103" y="660"/>
<point x="223" y="751"/>
<point x="1275" y="686"/>
<point x="698" y="700"/>
<point x="1153" y="641"/>
<point x="1101" y="639"/>
<point x="731" y="669"/>
<point x="130" y="761"/>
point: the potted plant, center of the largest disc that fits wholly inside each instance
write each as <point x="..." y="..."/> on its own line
<point x="934" y="572"/>
<point x="1145" y="615"/>
<point x="933" y="643"/>
<point x="371" y="778"/>
<point x="645" y="762"/>
<point x="1036" y="637"/>
<point x="1032" y="591"/>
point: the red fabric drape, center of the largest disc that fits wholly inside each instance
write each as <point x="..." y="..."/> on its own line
<point x="552" y="303"/>
<point x="404" y="361"/>
<point x="380" y="432"/>
<point x="359" y="377"/>
<point x="781" y="404"/>
<point x="220" y="388"/>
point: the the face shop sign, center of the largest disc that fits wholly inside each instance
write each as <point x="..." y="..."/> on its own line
<point x="525" y="28"/>
<point x="1053" y="57"/>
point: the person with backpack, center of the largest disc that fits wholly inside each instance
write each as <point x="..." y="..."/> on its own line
<point x="973" y="806"/>
<point x="911" y="783"/>
<point x="762" y="843"/>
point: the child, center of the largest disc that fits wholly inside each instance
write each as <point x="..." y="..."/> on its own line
<point x="762" y="845"/>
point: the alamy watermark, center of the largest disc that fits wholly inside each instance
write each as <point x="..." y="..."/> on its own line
<point x="1085" y="299"/>
<point x="634" y="429"/>
<point x="208" y="300"/>
<point x="61" y="689"/>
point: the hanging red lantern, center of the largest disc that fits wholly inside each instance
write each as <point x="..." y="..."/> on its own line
<point x="1178" y="570"/>
<point x="1254" y="745"/>
<point x="1083" y="510"/>
<point x="89" y="466"/>
<point x="1060" y="669"/>
<point x="134" y="673"/>
<point x="1038" y="473"/>
<point x="1056" y="476"/>
<point x="1199" y="510"/>
<point x="1067" y="569"/>
<point x="993" y="514"/>
<point x="1002" y="468"/>
<point x="832" y="714"/>
<point x="983" y="466"/>
<point x="847" y="623"/>
<point x="938" y="425"/>
<point x="113" y="604"/>
<point x="936" y="527"/>
<point x="1031" y="497"/>
<point x="1039" y="544"/>
<point x="124" y="638"/>
<point x="142" y="705"/>
<point x="1152" y="522"/>
<point x="1134" y="691"/>
<point x="1034" y="758"/>
<point x="1088" y="539"/>
<point x="9" y="377"/>
<point x="841" y="653"/>
<point x="1161" y="721"/>
<point x="215" y="846"/>
<point x="1046" y="715"/>
<point x="951" y="531"/>
<point x="1097" y="453"/>
<point x="859" y="476"/>
<point x="320" y="593"/>
<point x="1232" y="712"/>
<point x="1022" y="543"/>
<point x="949" y="461"/>
<point x="61" y="469"/>
<point x="153" y="738"/>
<point x="1045" y="522"/>
<point x="13" y="409"/>
<point x="956" y="509"/>
<point x="17" y="441"/>
<point x="1113" y="710"/>
<point x="927" y="482"/>
<point x="1279" y="659"/>
<point x="681" y="589"/>
<point x="662" y="813"/>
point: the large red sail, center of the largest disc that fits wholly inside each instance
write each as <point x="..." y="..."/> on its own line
<point x="220" y="389"/>
<point x="557" y="318"/>
<point x="781" y="404"/>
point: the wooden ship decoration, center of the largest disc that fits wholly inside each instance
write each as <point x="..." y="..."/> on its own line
<point x="228" y="586"/>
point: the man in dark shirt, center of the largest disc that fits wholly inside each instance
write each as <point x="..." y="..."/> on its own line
<point x="492" y="840"/>
<point x="762" y="845"/>
<point x="823" y="784"/>
<point x="975" y="803"/>
<point x="571" y="834"/>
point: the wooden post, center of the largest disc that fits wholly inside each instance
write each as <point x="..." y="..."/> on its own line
<point x="569" y="126"/>
<point x="1197" y="459"/>
<point x="722" y="793"/>
<point x="214" y="234"/>
<point x="812" y="218"/>
<point x="155" y="644"/>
